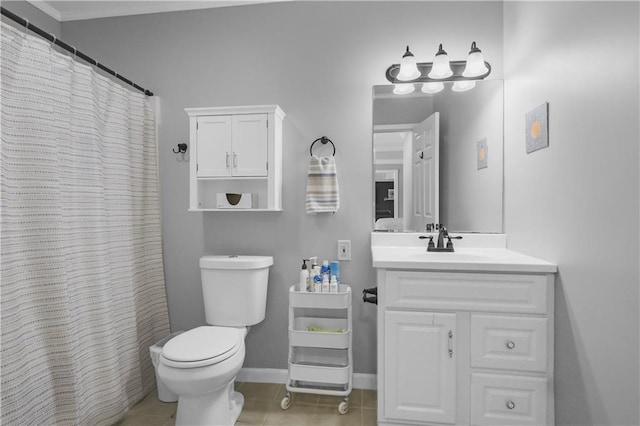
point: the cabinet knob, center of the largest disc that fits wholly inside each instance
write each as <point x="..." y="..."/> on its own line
<point x="511" y="405"/>
<point x="511" y="344"/>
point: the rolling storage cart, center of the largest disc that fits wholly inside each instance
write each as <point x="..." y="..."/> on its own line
<point x="320" y="358"/>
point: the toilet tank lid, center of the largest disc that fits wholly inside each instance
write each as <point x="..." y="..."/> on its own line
<point x="235" y="262"/>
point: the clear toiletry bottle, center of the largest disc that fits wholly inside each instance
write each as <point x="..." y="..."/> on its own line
<point x="325" y="283"/>
<point x="333" y="285"/>
<point x="317" y="283"/>
<point x="304" y="277"/>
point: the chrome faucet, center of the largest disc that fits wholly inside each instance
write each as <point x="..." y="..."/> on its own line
<point x="442" y="234"/>
<point x="440" y="246"/>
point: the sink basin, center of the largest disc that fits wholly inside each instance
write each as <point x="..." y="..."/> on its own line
<point x="447" y="257"/>
<point x="409" y="252"/>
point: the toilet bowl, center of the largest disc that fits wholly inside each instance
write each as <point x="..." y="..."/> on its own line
<point x="200" y="365"/>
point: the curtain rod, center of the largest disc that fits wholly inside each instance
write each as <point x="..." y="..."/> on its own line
<point x="53" y="39"/>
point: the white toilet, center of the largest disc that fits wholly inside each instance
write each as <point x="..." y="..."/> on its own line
<point x="200" y="365"/>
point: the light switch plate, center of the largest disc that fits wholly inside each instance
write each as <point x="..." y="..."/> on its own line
<point x="344" y="249"/>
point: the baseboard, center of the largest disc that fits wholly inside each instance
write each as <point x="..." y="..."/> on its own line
<point x="275" y="375"/>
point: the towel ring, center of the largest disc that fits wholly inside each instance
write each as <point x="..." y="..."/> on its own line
<point x="323" y="140"/>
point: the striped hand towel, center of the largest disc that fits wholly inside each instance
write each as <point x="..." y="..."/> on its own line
<point x="322" y="186"/>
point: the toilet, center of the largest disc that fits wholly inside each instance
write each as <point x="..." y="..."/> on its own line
<point x="200" y="365"/>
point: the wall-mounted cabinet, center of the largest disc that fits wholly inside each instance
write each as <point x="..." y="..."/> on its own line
<point x="235" y="150"/>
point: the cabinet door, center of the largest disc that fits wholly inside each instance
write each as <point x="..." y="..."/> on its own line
<point x="250" y="153"/>
<point x="214" y="146"/>
<point x="420" y="375"/>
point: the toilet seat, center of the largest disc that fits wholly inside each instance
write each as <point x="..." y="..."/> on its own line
<point x="202" y="346"/>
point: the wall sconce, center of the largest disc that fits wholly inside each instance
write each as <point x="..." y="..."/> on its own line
<point x="432" y="74"/>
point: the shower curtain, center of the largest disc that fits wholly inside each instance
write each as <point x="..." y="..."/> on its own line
<point x="82" y="281"/>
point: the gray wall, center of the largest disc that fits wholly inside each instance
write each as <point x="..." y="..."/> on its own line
<point x="471" y="199"/>
<point x="576" y="202"/>
<point x="34" y="15"/>
<point x="318" y="61"/>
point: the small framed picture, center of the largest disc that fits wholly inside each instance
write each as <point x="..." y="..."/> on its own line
<point x="483" y="154"/>
<point x="537" y="128"/>
<point x="391" y="194"/>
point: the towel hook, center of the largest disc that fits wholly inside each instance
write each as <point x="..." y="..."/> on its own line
<point x="323" y="140"/>
<point x="182" y="148"/>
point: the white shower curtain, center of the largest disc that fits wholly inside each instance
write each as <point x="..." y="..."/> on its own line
<point x="82" y="284"/>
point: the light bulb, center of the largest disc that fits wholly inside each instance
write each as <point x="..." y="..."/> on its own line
<point x="403" y="89"/>
<point x="408" y="68"/>
<point x="433" y="87"/>
<point x="475" y="63"/>
<point x="441" y="68"/>
<point x="463" y="85"/>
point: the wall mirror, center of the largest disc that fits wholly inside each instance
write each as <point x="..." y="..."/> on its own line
<point x="438" y="158"/>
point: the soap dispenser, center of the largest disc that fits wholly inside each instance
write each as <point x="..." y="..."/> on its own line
<point x="304" y="277"/>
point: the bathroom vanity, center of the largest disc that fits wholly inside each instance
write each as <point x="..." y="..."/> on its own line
<point x="464" y="338"/>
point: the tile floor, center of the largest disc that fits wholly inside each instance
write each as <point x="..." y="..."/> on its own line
<point x="262" y="407"/>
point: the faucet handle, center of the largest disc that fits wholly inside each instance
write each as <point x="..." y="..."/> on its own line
<point x="430" y="237"/>
<point x="449" y="238"/>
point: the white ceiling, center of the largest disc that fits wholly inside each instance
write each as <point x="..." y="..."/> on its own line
<point x="90" y="9"/>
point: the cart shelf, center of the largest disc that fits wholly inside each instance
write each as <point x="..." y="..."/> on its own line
<point x="320" y="355"/>
<point x="320" y="332"/>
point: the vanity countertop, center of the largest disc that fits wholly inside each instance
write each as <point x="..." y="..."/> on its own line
<point x="475" y="252"/>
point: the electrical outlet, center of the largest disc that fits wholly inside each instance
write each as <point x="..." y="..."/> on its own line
<point x="344" y="249"/>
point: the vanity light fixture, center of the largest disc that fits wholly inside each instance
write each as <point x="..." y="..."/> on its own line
<point x="432" y="87"/>
<point x="475" y="63"/>
<point x="463" y="85"/>
<point x="408" y="69"/>
<point x="441" y="69"/>
<point x="403" y="89"/>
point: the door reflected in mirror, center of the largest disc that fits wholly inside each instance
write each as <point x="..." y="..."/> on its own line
<point x="441" y="157"/>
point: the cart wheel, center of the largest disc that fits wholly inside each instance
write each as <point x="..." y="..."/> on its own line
<point x="343" y="407"/>
<point x="286" y="402"/>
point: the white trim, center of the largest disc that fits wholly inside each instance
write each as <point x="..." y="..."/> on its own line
<point x="241" y="109"/>
<point x="394" y="128"/>
<point x="47" y="8"/>
<point x="275" y="375"/>
<point x="94" y="10"/>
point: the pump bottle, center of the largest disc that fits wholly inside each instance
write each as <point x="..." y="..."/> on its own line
<point x="304" y="277"/>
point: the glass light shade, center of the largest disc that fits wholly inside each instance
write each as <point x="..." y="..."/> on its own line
<point x="408" y="68"/>
<point x="475" y="65"/>
<point x="434" y="87"/>
<point x="403" y="89"/>
<point x="441" y="68"/>
<point x="463" y="85"/>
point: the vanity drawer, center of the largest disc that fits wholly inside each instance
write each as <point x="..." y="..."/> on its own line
<point x="507" y="342"/>
<point x="483" y="292"/>
<point x="508" y="400"/>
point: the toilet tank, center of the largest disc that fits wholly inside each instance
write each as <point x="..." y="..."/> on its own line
<point x="235" y="289"/>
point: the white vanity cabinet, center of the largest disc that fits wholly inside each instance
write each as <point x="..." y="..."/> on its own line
<point x="465" y="347"/>
<point x="420" y="371"/>
<point x="236" y="150"/>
